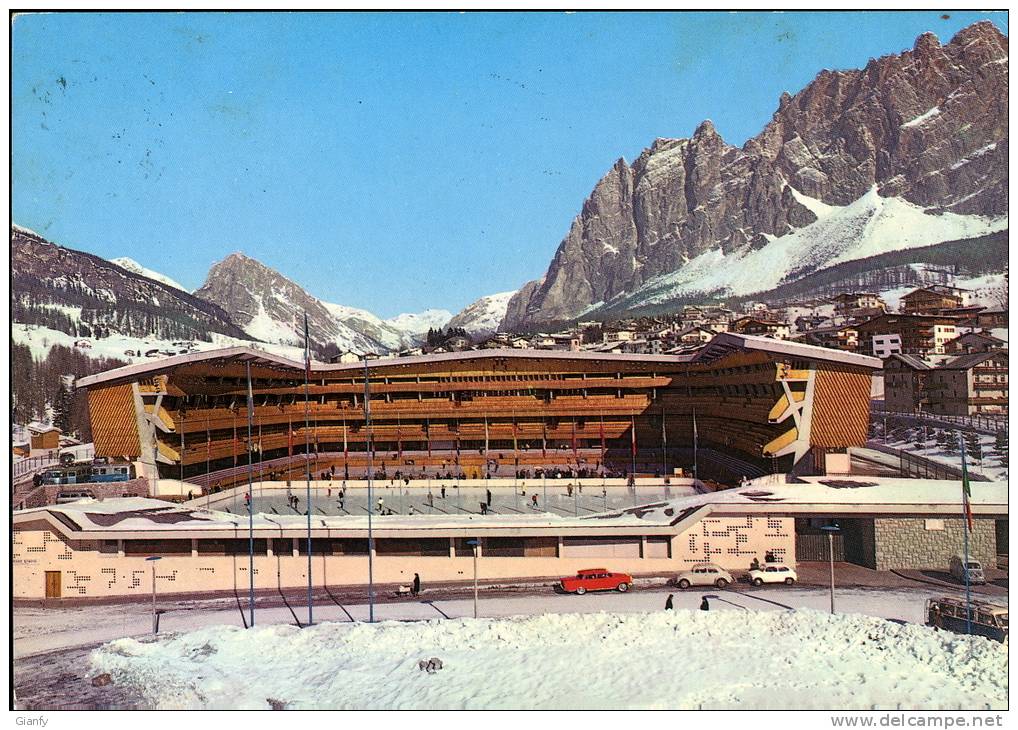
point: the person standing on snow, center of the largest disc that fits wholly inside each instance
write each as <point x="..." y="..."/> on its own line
<point x="416" y="588"/>
<point x="668" y="602"/>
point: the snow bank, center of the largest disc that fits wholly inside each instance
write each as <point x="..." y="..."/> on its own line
<point x="681" y="659"/>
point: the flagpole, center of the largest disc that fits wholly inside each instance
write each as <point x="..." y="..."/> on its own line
<point x="604" y="466"/>
<point x="664" y="442"/>
<point x="208" y="451"/>
<point x="250" y="488"/>
<point x="370" y="446"/>
<point x="965" y="488"/>
<point x="459" y="494"/>
<point x="633" y="449"/>
<point x="182" y="457"/>
<point x="544" y="460"/>
<point x="516" y="461"/>
<point x="696" y="472"/>
<point x="307" y="449"/>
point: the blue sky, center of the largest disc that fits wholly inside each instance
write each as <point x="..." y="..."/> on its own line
<point x="388" y="161"/>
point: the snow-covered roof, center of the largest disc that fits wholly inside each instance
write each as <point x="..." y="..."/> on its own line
<point x="41" y="428"/>
<point x="724" y="342"/>
<point x="825" y="495"/>
<point x="767" y="495"/>
<point x="913" y="361"/>
<point x="719" y="345"/>
<point x="971" y="360"/>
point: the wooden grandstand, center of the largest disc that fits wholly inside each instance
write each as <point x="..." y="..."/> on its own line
<point x="761" y="400"/>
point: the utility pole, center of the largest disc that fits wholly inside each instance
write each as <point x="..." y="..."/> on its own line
<point x="477" y="546"/>
<point x="155" y="616"/>
<point x="831" y="531"/>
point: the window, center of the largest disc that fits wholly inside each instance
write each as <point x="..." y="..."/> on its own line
<point x="157" y="547"/>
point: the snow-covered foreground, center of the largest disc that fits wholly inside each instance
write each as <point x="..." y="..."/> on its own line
<point x="665" y="659"/>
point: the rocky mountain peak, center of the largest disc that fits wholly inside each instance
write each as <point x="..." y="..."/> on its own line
<point x="927" y="43"/>
<point x="927" y="126"/>
<point x="705" y="131"/>
<point x="983" y="31"/>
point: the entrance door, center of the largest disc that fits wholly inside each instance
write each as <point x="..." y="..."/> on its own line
<point x="52" y="584"/>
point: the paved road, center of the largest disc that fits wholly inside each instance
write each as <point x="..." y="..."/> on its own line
<point x="39" y="630"/>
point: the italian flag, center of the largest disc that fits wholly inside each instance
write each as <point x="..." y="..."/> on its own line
<point x="966" y="489"/>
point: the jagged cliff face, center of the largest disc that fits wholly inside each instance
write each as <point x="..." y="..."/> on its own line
<point x="927" y="128"/>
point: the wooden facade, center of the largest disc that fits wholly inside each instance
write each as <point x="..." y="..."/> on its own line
<point x="532" y="408"/>
<point x="114" y="421"/>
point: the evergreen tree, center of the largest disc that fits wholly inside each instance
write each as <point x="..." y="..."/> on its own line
<point x="63" y="407"/>
<point x="1000" y="448"/>
<point x="973" y="447"/>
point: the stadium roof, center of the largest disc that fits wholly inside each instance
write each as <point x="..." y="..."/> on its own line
<point x="720" y="345"/>
<point x="772" y="495"/>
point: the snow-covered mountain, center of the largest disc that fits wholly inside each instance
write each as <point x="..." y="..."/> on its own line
<point x="484" y="316"/>
<point x="910" y="150"/>
<point x="270" y="307"/>
<point x="417" y="325"/>
<point x="866" y="227"/>
<point x="85" y="296"/>
<point x="134" y="267"/>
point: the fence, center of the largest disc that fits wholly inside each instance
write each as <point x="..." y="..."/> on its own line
<point x="34" y="463"/>
<point x="914" y="466"/>
<point x="989" y="423"/>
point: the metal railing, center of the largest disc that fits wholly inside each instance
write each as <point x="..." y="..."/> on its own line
<point x="913" y="466"/>
<point x="989" y="423"/>
<point x="35" y="463"/>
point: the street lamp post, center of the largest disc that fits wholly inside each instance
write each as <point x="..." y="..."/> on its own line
<point x="155" y="618"/>
<point x="476" y="545"/>
<point x="831" y="531"/>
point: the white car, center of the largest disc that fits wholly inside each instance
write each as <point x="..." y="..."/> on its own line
<point x="773" y="573"/>
<point x="704" y="574"/>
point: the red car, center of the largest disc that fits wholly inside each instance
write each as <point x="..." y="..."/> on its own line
<point x="596" y="579"/>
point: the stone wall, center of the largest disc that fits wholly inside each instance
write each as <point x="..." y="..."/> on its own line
<point x="47" y="493"/>
<point x="930" y="542"/>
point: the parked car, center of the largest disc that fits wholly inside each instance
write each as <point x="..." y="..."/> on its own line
<point x="975" y="570"/>
<point x="596" y="579"/>
<point x="773" y="573"/>
<point x="705" y="574"/>
<point x="951" y="614"/>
